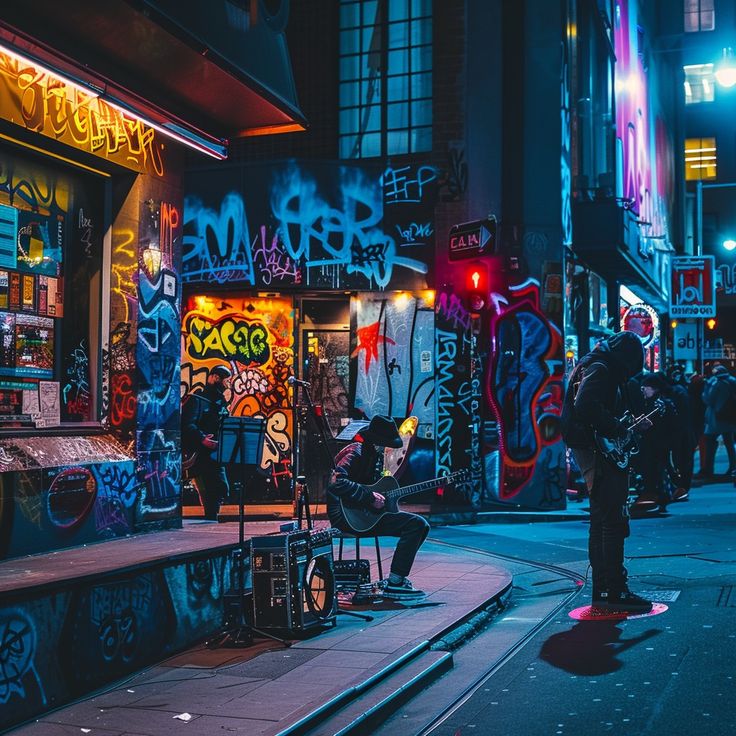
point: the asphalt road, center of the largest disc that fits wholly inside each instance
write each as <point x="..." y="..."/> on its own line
<point x="667" y="674"/>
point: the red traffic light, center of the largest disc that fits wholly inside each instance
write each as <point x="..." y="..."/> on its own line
<point x="476" y="287"/>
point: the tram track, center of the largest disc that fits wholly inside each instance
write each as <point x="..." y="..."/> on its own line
<point x="374" y="708"/>
<point x="482" y="678"/>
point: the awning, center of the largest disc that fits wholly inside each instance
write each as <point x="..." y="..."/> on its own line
<point x="218" y="68"/>
<point x="609" y="238"/>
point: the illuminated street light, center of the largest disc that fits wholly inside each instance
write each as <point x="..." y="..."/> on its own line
<point x="726" y="69"/>
<point x="729" y="244"/>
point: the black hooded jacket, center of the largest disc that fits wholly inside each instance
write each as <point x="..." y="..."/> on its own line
<point x="595" y="397"/>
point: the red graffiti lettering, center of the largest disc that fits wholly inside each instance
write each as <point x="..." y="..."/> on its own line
<point x="122" y="399"/>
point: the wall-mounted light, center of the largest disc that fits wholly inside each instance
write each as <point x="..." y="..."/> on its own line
<point x="152" y="258"/>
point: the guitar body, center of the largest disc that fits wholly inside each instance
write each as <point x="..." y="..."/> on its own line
<point x="617" y="452"/>
<point x="362" y="519"/>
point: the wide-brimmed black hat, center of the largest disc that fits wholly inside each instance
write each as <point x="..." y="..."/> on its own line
<point x="382" y="431"/>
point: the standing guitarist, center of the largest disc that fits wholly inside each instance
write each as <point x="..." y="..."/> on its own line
<point x="360" y="465"/>
<point x="594" y="401"/>
<point x="200" y="426"/>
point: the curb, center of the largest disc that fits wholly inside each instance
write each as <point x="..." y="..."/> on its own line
<point x="447" y="640"/>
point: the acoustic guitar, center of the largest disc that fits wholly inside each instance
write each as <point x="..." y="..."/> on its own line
<point x="364" y="519"/>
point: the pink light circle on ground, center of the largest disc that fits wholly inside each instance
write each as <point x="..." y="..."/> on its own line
<point x="591" y="613"/>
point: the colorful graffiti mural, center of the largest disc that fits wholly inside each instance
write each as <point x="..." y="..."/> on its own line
<point x="255" y="338"/>
<point x="524" y="388"/>
<point x="157" y="359"/>
<point x="34" y="97"/>
<point x="393" y="350"/>
<point x="327" y="226"/>
<point x="56" y="645"/>
<point x="453" y="380"/>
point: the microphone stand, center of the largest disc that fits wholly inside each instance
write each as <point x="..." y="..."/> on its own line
<point x="303" y="502"/>
<point x="303" y="499"/>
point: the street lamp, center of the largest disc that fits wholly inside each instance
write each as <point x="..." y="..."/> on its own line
<point x="726" y="69"/>
<point x="729" y="244"/>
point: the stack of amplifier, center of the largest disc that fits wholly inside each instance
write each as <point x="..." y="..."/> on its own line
<point x="293" y="581"/>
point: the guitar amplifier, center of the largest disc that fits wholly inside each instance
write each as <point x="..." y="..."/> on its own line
<point x="293" y="581"/>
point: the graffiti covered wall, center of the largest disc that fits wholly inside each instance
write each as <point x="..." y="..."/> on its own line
<point x="393" y="357"/>
<point x="157" y="357"/>
<point x="524" y="387"/>
<point x="311" y="225"/>
<point x="455" y="403"/>
<point x="255" y="338"/>
<point x="60" y="645"/>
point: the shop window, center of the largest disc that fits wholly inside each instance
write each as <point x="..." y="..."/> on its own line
<point x="700" y="15"/>
<point x="385" y="77"/>
<point x="700" y="158"/>
<point x="699" y="83"/>
<point x="50" y="249"/>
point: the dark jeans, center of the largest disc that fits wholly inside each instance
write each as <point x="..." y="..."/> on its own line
<point x="212" y="485"/>
<point x="711" y="444"/>
<point x="609" y="521"/>
<point x="683" y="457"/>
<point x="411" y="530"/>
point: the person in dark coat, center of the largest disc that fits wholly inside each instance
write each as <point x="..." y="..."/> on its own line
<point x="594" y="402"/>
<point x="695" y="385"/>
<point x="358" y="466"/>
<point x="686" y="439"/>
<point x="200" y="426"/>
<point x="716" y="392"/>
<point x="656" y="444"/>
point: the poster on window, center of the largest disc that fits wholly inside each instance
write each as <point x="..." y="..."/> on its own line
<point x="40" y="243"/>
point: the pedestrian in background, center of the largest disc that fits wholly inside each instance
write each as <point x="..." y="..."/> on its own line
<point x="685" y="441"/>
<point x="656" y="444"/>
<point x="718" y="392"/>
<point x="695" y="384"/>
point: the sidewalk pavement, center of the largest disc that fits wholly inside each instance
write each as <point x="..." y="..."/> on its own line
<point x="270" y="689"/>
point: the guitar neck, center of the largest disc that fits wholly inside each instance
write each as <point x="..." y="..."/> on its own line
<point x="426" y="485"/>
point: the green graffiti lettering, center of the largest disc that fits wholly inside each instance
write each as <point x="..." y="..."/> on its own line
<point x="232" y="338"/>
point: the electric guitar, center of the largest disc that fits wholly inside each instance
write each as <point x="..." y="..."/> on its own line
<point x="619" y="451"/>
<point x="364" y="519"/>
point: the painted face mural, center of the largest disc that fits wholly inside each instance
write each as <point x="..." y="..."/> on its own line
<point x="524" y="386"/>
<point x="254" y="338"/>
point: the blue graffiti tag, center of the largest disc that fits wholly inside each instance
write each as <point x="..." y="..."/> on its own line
<point x="349" y="237"/>
<point x="216" y="245"/>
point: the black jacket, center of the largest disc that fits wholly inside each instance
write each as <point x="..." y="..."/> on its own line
<point x="200" y="415"/>
<point x="595" y="396"/>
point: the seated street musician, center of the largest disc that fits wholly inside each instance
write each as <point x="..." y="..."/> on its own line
<point x="359" y="465"/>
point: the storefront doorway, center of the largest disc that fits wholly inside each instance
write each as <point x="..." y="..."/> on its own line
<point x="324" y="340"/>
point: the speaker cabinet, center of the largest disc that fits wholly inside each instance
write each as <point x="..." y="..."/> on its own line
<point x="293" y="581"/>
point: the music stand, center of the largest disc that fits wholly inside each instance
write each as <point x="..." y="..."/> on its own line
<point x="240" y="445"/>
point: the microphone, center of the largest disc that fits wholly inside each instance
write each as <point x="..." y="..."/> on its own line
<point x="294" y="381"/>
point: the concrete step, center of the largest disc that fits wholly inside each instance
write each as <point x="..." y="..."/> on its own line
<point x="362" y="714"/>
